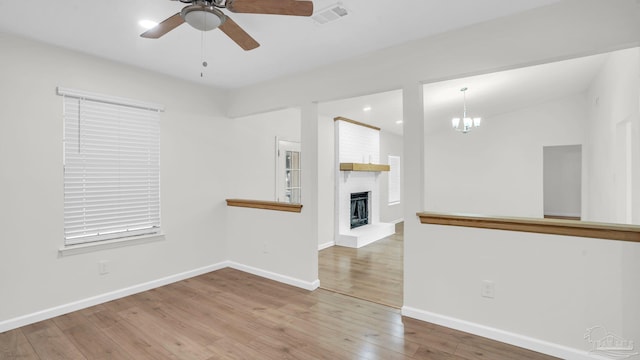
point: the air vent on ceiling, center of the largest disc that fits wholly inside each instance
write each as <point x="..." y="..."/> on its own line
<point x="332" y="13"/>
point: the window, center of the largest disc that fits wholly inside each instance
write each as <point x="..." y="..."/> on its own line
<point x="288" y="170"/>
<point x="394" y="180"/>
<point x="111" y="167"/>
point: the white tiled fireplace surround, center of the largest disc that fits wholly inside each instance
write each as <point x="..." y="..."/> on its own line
<point x="357" y="144"/>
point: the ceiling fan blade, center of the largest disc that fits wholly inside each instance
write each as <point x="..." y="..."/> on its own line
<point x="164" y="27"/>
<point x="237" y="34"/>
<point x="275" y="7"/>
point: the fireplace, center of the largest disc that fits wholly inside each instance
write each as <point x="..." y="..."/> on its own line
<point x="359" y="209"/>
<point x="357" y="199"/>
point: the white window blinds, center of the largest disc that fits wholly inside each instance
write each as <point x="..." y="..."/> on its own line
<point x="111" y="168"/>
<point x="394" y="179"/>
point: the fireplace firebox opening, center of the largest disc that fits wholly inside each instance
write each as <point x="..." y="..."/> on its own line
<point x="359" y="209"/>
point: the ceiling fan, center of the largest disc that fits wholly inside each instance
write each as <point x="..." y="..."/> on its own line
<point x="206" y="15"/>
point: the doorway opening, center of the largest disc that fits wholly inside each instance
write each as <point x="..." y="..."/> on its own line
<point x="562" y="176"/>
<point x="361" y="234"/>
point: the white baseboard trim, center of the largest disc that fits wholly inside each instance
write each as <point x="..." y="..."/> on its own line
<point x="276" y="277"/>
<point x="326" y="245"/>
<point x="522" y="341"/>
<point x="20" y="321"/>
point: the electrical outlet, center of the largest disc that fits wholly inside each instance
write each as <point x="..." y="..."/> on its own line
<point x="103" y="267"/>
<point x="488" y="289"/>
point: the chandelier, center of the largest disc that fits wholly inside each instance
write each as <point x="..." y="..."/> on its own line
<point x="465" y="124"/>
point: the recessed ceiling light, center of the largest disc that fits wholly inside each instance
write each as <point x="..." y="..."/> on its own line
<point x="399" y="121"/>
<point x="366" y="108"/>
<point x="147" y="24"/>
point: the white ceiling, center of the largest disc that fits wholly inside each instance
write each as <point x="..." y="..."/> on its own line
<point x="487" y="95"/>
<point x="385" y="110"/>
<point x="110" y="29"/>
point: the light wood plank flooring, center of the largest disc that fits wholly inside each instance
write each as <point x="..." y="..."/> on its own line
<point x="228" y="314"/>
<point x="373" y="272"/>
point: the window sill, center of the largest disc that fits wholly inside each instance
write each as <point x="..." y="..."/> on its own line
<point x="620" y="232"/>
<point x="108" y="244"/>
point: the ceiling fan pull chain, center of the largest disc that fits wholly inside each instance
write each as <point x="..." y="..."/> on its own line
<point x="202" y="51"/>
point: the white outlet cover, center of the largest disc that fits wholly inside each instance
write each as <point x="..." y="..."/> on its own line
<point x="488" y="289"/>
<point x="103" y="267"/>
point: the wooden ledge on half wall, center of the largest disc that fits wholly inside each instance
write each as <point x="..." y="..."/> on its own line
<point x="265" y="205"/>
<point x="364" y="167"/>
<point x="606" y="231"/>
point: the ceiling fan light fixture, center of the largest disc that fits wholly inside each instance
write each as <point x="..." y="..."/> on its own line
<point x="203" y="17"/>
<point x="147" y="24"/>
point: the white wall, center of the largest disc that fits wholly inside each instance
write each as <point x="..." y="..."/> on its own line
<point x="267" y="243"/>
<point x="326" y="181"/>
<point x="390" y="144"/>
<point x="33" y="277"/>
<point x="273" y="244"/>
<point x="613" y="99"/>
<point x="548" y="288"/>
<point x="635" y="160"/>
<point x="253" y="152"/>
<point x="497" y="169"/>
<point x="631" y="253"/>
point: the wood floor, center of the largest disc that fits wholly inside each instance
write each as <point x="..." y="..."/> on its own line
<point x="228" y="314"/>
<point x="373" y="272"/>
